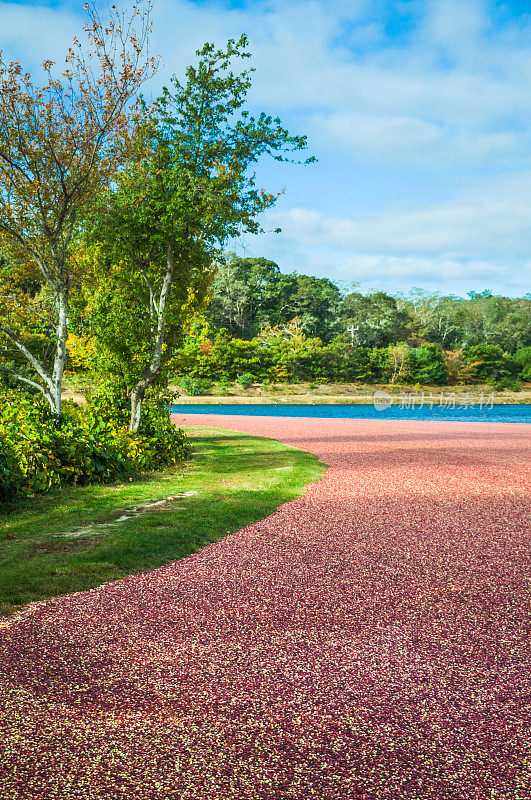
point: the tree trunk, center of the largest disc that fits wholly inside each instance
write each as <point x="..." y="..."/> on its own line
<point x="154" y="367"/>
<point x="61" y="302"/>
<point x="137" y="399"/>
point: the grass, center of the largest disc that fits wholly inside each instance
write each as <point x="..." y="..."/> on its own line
<point x="239" y="479"/>
<point x="349" y="393"/>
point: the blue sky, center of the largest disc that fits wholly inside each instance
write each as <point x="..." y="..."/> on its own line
<point x="418" y="110"/>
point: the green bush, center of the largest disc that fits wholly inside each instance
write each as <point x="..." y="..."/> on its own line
<point x="195" y="386"/>
<point x="10" y="473"/>
<point x="246" y="380"/>
<point x="39" y="452"/>
<point x="156" y="444"/>
<point x="523" y="359"/>
<point x="428" y="366"/>
<point x="491" y="364"/>
<point x="273" y="357"/>
<point x="225" y="386"/>
<point x="508" y="383"/>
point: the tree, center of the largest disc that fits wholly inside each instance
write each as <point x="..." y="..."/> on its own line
<point x="249" y="294"/>
<point x="187" y="189"/>
<point x="523" y="359"/>
<point x="374" y="320"/>
<point x="399" y="357"/>
<point x="60" y="143"/>
<point x="113" y="318"/>
<point x="498" y="320"/>
<point x="315" y="302"/>
<point x="22" y="300"/>
<point x="231" y="298"/>
<point x="433" y="318"/>
<point x="458" y="368"/>
<point x="428" y="365"/>
<point x="245" y="294"/>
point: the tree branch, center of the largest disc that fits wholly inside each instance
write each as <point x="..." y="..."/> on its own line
<point x="39" y="369"/>
<point x="22" y="379"/>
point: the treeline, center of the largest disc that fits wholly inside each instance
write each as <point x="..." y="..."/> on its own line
<point x="285" y="353"/>
<point x="268" y="326"/>
<point x="250" y="294"/>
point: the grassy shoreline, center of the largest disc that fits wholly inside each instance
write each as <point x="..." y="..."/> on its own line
<point x="500" y="398"/>
<point x="78" y="538"/>
<point x="323" y="394"/>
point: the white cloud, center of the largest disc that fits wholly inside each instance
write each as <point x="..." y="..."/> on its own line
<point x="490" y="225"/>
<point x="394" y="96"/>
<point x="388" y="136"/>
<point x="394" y="273"/>
<point x="480" y="240"/>
<point x="31" y="33"/>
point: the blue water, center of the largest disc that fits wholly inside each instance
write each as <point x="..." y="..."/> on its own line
<point x="521" y="413"/>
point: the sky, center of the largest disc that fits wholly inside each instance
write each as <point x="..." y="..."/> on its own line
<point x="419" y="112"/>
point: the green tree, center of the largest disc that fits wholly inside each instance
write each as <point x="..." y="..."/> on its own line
<point x="400" y="363"/>
<point x="428" y="365"/>
<point x="491" y="363"/>
<point x="187" y="189"/>
<point x="373" y="320"/>
<point x="523" y="359"/>
<point x="315" y="303"/>
<point x="433" y="317"/>
<point x="231" y="298"/>
<point x="249" y="294"/>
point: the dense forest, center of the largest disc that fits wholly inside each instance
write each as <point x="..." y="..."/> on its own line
<point x="268" y="325"/>
<point x="249" y="294"/>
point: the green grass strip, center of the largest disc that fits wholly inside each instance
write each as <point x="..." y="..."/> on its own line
<point x="239" y="479"/>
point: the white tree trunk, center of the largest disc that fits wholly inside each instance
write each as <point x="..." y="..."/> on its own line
<point x="61" y="301"/>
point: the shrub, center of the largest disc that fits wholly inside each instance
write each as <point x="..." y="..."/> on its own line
<point x="400" y="363"/>
<point x="285" y="354"/>
<point x="195" y="386"/>
<point x="523" y="359"/>
<point x="428" y="365"/>
<point x="225" y="386"/>
<point x="491" y="364"/>
<point x="165" y="444"/>
<point x="458" y="368"/>
<point x="156" y="444"/>
<point x="10" y="473"/>
<point x="246" y="380"/>
<point x="508" y="383"/>
<point x="39" y="452"/>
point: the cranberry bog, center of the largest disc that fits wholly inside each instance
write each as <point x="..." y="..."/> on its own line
<point x="366" y="641"/>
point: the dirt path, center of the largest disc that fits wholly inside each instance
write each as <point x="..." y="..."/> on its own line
<point x="368" y="640"/>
